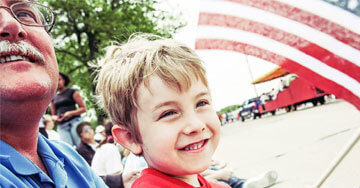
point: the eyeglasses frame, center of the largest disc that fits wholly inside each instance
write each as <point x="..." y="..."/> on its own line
<point x="13" y="14"/>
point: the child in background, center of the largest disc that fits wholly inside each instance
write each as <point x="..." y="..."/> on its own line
<point x="156" y="93"/>
<point x="49" y="127"/>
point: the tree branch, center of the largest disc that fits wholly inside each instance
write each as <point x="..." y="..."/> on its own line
<point x="69" y="53"/>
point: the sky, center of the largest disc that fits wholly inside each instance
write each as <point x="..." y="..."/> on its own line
<point x="228" y="72"/>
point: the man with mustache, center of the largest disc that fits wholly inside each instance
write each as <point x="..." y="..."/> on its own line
<point x="28" y="82"/>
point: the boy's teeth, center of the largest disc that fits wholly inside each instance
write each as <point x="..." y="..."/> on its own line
<point x="194" y="146"/>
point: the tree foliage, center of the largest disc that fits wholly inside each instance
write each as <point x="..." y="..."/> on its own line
<point x="85" y="27"/>
<point x="229" y="108"/>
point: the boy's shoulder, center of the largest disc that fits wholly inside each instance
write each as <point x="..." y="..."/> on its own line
<point x="151" y="178"/>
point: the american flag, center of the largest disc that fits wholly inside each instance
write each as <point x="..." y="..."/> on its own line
<point x="317" y="41"/>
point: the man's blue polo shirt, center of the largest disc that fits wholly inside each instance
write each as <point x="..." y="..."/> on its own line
<point x="65" y="166"/>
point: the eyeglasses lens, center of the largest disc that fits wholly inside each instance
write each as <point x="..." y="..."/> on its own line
<point x="33" y="14"/>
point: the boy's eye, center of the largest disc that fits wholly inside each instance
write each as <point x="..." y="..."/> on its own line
<point x="202" y="103"/>
<point x="166" y="114"/>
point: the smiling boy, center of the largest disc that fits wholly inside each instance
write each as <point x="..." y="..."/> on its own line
<point x="155" y="91"/>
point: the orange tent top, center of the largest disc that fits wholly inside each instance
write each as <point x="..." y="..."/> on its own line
<point x="275" y="73"/>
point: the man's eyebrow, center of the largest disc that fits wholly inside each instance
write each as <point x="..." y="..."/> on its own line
<point x="18" y="1"/>
<point x="9" y="3"/>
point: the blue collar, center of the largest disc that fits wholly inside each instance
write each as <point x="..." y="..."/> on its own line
<point x="19" y="164"/>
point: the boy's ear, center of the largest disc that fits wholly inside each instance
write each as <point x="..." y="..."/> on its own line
<point x="124" y="137"/>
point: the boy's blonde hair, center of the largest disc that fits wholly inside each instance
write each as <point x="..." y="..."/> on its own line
<point x="126" y="66"/>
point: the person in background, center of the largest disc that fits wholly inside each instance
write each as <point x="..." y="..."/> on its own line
<point x="65" y="112"/>
<point x="107" y="158"/>
<point x="42" y="128"/>
<point x="220" y="117"/>
<point x="100" y="133"/>
<point x="87" y="146"/>
<point x="29" y="76"/>
<point x="49" y="128"/>
<point x="227" y="118"/>
<point x="87" y="149"/>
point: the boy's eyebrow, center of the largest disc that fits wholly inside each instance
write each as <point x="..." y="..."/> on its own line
<point x="204" y="93"/>
<point x="163" y="104"/>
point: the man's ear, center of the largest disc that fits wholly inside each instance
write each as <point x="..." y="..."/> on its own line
<point x="124" y="137"/>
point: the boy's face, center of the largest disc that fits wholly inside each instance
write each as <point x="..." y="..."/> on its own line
<point x="179" y="130"/>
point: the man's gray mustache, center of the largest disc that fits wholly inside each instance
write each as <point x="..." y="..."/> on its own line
<point x="23" y="47"/>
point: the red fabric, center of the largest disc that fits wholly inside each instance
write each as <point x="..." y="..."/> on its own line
<point x="330" y="70"/>
<point x="151" y="178"/>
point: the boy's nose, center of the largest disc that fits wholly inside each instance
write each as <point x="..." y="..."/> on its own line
<point x="194" y="124"/>
<point x="10" y="28"/>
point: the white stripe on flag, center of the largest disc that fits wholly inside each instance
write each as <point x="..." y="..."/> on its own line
<point x="329" y="12"/>
<point x="228" y="8"/>
<point x="227" y="21"/>
<point x="207" y="32"/>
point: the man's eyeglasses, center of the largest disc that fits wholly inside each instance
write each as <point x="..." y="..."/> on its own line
<point x="33" y="14"/>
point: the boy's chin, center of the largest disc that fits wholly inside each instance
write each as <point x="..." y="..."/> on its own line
<point x="192" y="169"/>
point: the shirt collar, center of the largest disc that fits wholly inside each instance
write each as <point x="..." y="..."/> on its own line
<point x="19" y="164"/>
<point x="15" y="161"/>
<point x="53" y="161"/>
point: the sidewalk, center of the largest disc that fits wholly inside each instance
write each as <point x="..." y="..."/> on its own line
<point x="299" y="145"/>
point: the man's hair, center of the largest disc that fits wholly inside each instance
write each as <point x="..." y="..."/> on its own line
<point x="125" y="67"/>
<point x="80" y="127"/>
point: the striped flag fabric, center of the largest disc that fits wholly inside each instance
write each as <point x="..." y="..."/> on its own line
<point x="316" y="40"/>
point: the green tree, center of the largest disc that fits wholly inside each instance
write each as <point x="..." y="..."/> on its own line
<point x="230" y="108"/>
<point x="85" y="27"/>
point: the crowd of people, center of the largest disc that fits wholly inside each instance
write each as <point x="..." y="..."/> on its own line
<point x="154" y="90"/>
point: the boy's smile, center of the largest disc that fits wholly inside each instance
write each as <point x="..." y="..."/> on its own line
<point x="195" y="147"/>
<point x="179" y="130"/>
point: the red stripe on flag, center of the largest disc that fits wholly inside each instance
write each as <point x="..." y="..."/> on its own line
<point x="292" y="66"/>
<point x="289" y="39"/>
<point x="337" y="31"/>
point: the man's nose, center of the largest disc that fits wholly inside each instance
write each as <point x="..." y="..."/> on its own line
<point x="10" y="28"/>
<point x="194" y="124"/>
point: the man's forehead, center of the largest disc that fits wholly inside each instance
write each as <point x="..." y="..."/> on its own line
<point x="10" y="2"/>
<point x="7" y="2"/>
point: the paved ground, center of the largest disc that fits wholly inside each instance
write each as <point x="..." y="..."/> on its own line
<point x="299" y="145"/>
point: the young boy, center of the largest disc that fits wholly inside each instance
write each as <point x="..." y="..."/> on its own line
<point x="155" y="91"/>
